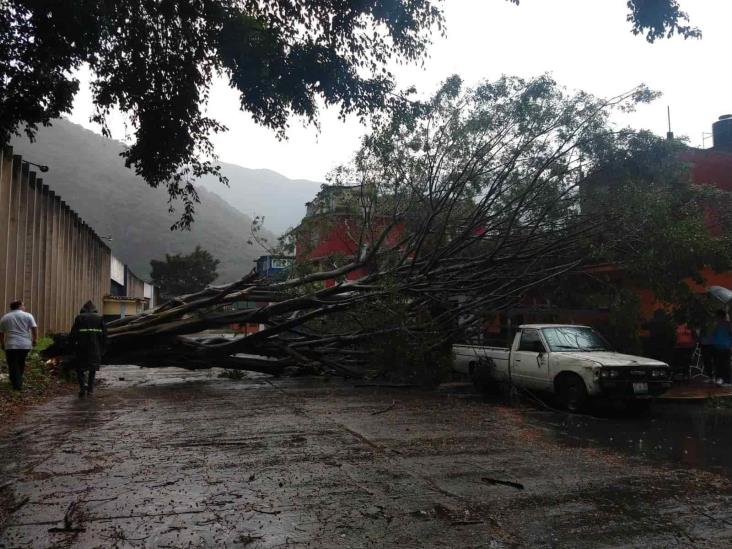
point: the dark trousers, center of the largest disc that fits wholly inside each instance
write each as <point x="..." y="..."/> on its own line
<point x="16" y="366"/>
<point x="86" y="379"/>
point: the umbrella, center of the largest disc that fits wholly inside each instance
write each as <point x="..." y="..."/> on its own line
<point x="720" y="294"/>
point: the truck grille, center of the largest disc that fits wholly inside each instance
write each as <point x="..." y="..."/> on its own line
<point x="641" y="374"/>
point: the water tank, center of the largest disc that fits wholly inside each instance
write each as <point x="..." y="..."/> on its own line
<point x="722" y="131"/>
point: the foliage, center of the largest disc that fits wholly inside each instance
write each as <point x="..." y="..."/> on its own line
<point x="660" y="19"/>
<point x="235" y="375"/>
<point x="658" y="232"/>
<point x="39" y="382"/>
<point x="466" y="202"/>
<point x="465" y="178"/>
<point x="656" y="19"/>
<point x="624" y="322"/>
<point x="155" y="60"/>
<point x="184" y="274"/>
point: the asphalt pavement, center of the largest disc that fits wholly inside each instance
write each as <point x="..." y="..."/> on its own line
<point x="169" y="458"/>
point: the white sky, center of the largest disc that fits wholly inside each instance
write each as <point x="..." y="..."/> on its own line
<point x="585" y="44"/>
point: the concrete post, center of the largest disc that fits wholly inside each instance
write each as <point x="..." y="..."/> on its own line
<point x="43" y="253"/>
<point x="12" y="251"/>
<point x="6" y="173"/>
<point x="21" y="232"/>
<point x="30" y="225"/>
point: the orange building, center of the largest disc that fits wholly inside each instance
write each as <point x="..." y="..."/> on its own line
<point x="708" y="167"/>
<point x="333" y="229"/>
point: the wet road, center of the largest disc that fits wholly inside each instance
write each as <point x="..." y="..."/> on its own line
<point x="176" y="459"/>
<point x="689" y="434"/>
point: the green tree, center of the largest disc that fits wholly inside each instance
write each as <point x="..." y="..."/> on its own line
<point x="464" y="203"/>
<point x="184" y="274"/>
<point x="155" y="61"/>
<point x="657" y="218"/>
<point x="655" y="234"/>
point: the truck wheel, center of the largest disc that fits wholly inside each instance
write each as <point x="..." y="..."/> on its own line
<point x="480" y="376"/>
<point x="572" y="392"/>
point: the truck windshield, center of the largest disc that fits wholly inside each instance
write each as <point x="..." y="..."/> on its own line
<point x="574" y="338"/>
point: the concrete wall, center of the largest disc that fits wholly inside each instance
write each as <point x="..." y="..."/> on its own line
<point x="49" y="257"/>
<point x="135" y="285"/>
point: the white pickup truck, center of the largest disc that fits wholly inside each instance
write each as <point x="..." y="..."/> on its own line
<point x="573" y="362"/>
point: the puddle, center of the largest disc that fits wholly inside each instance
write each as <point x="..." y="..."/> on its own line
<point x="692" y="435"/>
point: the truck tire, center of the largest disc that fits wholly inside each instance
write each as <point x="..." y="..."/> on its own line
<point x="572" y="392"/>
<point x="480" y="376"/>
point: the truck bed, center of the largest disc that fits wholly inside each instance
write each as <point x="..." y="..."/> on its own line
<point x="467" y="354"/>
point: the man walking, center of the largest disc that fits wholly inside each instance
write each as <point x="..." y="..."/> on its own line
<point x="88" y="339"/>
<point x="18" y="335"/>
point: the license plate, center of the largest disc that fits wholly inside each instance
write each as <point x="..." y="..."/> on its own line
<point x="640" y="388"/>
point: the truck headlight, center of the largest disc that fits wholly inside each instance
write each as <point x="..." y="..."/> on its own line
<point x="658" y="373"/>
<point x="609" y="373"/>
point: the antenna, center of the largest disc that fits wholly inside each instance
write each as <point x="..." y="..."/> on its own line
<point x="670" y="134"/>
<point x="705" y="136"/>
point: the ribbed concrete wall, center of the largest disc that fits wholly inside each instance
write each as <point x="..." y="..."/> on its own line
<point x="49" y="257"/>
<point x="135" y="285"/>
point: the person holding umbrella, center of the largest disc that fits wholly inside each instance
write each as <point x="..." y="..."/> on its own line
<point x="722" y="342"/>
<point x="721" y="335"/>
<point x="88" y="339"/>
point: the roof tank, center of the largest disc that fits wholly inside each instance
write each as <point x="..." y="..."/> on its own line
<point x="722" y="132"/>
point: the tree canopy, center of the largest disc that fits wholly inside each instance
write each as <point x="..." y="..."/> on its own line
<point x="657" y="237"/>
<point x="454" y="208"/>
<point x="184" y="274"/>
<point x="155" y="61"/>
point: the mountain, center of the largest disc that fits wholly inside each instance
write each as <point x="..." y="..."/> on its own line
<point x="265" y="193"/>
<point x="87" y="171"/>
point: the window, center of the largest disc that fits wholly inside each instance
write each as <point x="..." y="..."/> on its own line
<point x="530" y="341"/>
<point x="575" y="338"/>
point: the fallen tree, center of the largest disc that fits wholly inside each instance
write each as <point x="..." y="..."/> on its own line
<point x="453" y="208"/>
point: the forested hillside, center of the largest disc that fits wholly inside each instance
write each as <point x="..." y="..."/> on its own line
<point x="88" y="173"/>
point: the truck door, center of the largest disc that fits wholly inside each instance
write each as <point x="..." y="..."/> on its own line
<point x="530" y="361"/>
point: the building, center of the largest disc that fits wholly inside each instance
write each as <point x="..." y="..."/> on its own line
<point x="128" y="294"/>
<point x="274" y="267"/>
<point x="708" y="167"/>
<point x="332" y="230"/>
<point x="50" y="258"/>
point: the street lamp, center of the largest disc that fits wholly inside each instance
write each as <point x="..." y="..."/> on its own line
<point x="41" y="167"/>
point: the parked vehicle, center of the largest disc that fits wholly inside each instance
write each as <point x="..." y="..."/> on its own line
<point x="573" y="362"/>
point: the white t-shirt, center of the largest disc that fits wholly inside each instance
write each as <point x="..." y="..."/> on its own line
<point x="16" y="326"/>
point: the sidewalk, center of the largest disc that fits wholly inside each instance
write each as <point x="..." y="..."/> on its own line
<point x="697" y="390"/>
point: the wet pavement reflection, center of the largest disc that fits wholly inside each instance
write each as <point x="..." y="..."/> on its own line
<point x="169" y="458"/>
<point x="692" y="434"/>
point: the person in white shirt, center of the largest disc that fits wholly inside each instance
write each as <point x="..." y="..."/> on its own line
<point x="18" y="335"/>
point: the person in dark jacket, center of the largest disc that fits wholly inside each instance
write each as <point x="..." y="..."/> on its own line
<point x="88" y="339"/>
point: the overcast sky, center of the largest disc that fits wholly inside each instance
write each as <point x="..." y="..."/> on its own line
<point x="585" y="44"/>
